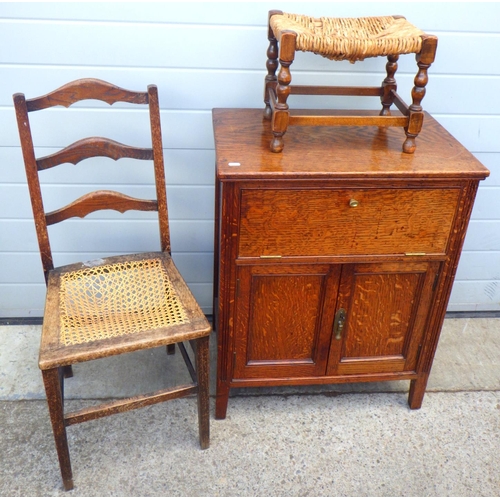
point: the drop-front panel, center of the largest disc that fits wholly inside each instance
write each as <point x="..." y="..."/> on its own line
<point x="334" y="260"/>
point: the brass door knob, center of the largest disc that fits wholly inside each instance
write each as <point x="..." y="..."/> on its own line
<point x="353" y="203"/>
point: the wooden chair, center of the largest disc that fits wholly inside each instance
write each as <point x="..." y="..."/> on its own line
<point x="117" y="304"/>
<point x="352" y="39"/>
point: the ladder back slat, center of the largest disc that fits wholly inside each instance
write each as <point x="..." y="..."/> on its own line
<point x="100" y="200"/>
<point x="88" y="88"/>
<point x="92" y="147"/>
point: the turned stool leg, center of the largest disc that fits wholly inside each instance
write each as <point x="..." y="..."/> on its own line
<point x="272" y="66"/>
<point x="389" y="85"/>
<point x="416" y="115"/>
<point x="52" y="380"/>
<point x="281" y="115"/>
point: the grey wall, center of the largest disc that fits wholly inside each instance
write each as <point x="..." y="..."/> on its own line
<point x="206" y="55"/>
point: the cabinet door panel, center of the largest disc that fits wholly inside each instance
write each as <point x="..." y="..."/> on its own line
<point x="284" y="316"/>
<point x="386" y="310"/>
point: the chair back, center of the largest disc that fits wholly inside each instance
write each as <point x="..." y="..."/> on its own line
<point x="88" y="148"/>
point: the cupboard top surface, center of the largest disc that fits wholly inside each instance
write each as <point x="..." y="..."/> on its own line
<point x="242" y="138"/>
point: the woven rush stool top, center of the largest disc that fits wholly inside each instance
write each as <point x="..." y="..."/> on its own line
<point x="352" y="39"/>
<point x="115" y="300"/>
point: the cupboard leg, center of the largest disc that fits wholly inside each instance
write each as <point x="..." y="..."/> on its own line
<point x="53" y="389"/>
<point x="417" y="392"/>
<point x="221" y="400"/>
<point x="202" y="371"/>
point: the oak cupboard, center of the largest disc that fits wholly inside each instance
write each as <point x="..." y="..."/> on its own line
<point x="334" y="260"/>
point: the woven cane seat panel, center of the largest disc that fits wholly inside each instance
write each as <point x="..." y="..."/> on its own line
<point x="115" y="300"/>
<point x="352" y="39"/>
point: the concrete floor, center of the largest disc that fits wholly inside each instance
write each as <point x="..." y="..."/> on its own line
<point x="344" y="440"/>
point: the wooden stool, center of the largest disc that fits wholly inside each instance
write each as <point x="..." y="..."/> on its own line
<point x="352" y="39"/>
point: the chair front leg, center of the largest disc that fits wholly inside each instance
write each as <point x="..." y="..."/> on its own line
<point x="52" y="380"/>
<point x="202" y="371"/>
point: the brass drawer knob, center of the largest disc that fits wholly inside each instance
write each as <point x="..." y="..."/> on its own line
<point x="353" y="203"/>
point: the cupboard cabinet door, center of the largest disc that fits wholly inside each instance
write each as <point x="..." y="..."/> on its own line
<point x="283" y="320"/>
<point x="386" y="308"/>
